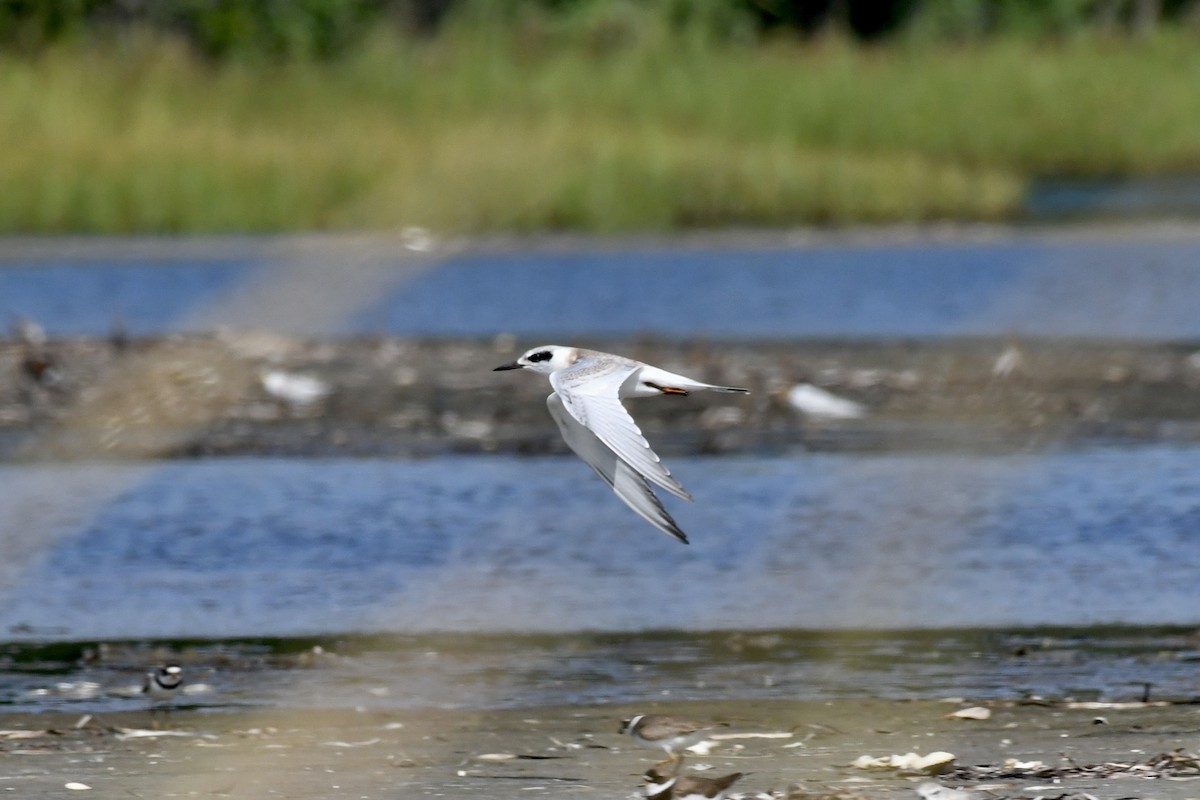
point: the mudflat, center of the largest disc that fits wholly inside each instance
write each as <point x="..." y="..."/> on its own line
<point x="234" y="394"/>
<point x="787" y="749"/>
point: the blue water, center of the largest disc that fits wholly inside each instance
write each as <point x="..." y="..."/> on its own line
<point x="1141" y="288"/>
<point x="447" y="559"/>
<point x="264" y="547"/>
<point x="1171" y="196"/>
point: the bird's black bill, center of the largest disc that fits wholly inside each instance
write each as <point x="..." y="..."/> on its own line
<point x="502" y="367"/>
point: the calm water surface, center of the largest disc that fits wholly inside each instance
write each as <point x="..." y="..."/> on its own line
<point x="1019" y="285"/>
<point x="266" y="547"/>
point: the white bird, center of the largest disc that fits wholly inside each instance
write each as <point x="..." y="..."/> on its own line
<point x="1011" y="361"/>
<point x="586" y="405"/>
<point x="813" y="401"/>
<point x="29" y="331"/>
<point x="294" y="388"/>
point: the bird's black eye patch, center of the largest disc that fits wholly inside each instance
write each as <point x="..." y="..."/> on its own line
<point x="545" y="355"/>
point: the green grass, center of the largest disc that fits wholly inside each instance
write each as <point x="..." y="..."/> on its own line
<point x="470" y="133"/>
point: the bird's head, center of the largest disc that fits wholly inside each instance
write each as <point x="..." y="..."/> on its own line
<point x="545" y="359"/>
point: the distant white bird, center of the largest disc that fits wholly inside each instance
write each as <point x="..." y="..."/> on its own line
<point x="293" y="388"/>
<point x="813" y="401"/>
<point x="29" y="331"/>
<point x="586" y="404"/>
<point x="1010" y="361"/>
<point x="417" y="238"/>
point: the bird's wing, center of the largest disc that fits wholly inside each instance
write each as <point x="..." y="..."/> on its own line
<point x="589" y="391"/>
<point x="628" y="484"/>
<point x="660" y="727"/>
<point x="692" y="786"/>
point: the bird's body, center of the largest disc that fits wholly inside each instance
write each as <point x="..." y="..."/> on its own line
<point x="660" y="786"/>
<point x="666" y="732"/>
<point x="163" y="684"/>
<point x="161" y="687"/>
<point x="586" y="405"/>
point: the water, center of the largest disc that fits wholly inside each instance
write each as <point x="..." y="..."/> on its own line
<point x="491" y="582"/>
<point x="477" y="672"/>
<point x="1018" y="285"/>
<point x="274" y="547"/>
<point x="1171" y="196"/>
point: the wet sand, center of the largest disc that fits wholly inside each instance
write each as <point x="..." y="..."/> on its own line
<point x="575" y="751"/>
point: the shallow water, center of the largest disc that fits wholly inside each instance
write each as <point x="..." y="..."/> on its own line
<point x="528" y="671"/>
<point x="276" y="547"/>
<point x="1169" y="197"/>
<point x="1016" y="285"/>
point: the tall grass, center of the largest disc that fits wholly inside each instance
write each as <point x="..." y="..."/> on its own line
<point x="478" y="132"/>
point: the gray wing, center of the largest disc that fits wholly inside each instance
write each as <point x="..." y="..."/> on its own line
<point x="628" y="484"/>
<point x="589" y="391"/>
<point x="663" y="726"/>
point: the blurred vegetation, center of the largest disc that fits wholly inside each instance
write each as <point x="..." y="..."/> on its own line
<point x="329" y="28"/>
<point x="610" y="115"/>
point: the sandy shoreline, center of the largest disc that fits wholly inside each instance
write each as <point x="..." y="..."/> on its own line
<point x="575" y="751"/>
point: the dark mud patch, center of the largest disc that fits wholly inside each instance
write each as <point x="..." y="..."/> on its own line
<point x="253" y="392"/>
